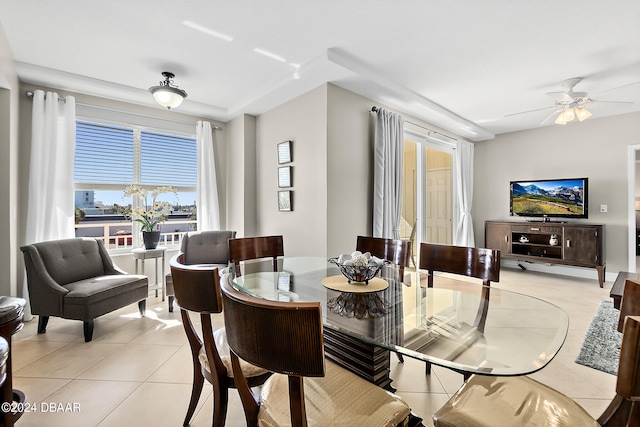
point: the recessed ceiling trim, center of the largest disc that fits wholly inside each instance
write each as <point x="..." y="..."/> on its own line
<point x="441" y="116"/>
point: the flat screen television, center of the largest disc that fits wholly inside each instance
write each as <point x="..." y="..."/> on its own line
<point x="550" y="198"/>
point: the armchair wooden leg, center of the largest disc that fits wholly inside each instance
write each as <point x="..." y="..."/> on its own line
<point x="427" y="368"/>
<point x="42" y="324"/>
<point x="171" y="297"/>
<point x="142" y="306"/>
<point x="88" y="330"/>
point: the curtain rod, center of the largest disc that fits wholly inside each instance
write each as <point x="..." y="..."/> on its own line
<point x="213" y="126"/>
<point x="375" y="109"/>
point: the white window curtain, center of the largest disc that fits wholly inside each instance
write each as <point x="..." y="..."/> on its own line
<point x="387" y="174"/>
<point x="207" y="186"/>
<point x="50" y="203"/>
<point x="463" y="234"/>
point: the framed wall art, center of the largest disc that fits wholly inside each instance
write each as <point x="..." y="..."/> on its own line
<point x="284" y="152"/>
<point x="284" y="176"/>
<point x="285" y="201"/>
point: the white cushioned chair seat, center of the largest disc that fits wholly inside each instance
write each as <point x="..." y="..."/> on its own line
<point x="220" y="338"/>
<point x="340" y="398"/>
<point x="510" y="402"/>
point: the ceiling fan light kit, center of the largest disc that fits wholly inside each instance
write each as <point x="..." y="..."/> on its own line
<point x="166" y="93"/>
<point x="571" y="104"/>
<point x="571" y="113"/>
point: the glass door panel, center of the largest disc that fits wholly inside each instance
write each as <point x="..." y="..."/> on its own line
<point x="427" y="194"/>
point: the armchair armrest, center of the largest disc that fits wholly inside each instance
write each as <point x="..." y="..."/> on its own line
<point x="109" y="266"/>
<point x="40" y="281"/>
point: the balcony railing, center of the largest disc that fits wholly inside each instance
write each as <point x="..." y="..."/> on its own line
<point x="117" y="234"/>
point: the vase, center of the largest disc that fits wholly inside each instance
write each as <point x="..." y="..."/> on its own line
<point x="151" y="239"/>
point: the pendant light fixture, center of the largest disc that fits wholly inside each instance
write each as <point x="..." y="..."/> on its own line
<point x="166" y="93"/>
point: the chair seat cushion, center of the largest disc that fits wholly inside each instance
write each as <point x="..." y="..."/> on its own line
<point x="220" y="338"/>
<point x="340" y="398"/>
<point x="96" y="289"/>
<point x="510" y="401"/>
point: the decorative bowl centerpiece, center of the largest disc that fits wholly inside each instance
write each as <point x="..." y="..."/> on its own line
<point x="358" y="266"/>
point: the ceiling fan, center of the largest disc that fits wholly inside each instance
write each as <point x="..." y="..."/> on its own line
<point x="570" y="104"/>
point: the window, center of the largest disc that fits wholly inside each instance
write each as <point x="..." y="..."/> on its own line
<point x="111" y="157"/>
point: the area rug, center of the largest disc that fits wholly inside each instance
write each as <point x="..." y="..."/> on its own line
<point x="601" y="347"/>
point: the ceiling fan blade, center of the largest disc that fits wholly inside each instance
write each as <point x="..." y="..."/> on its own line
<point x="615" y="88"/>
<point x="550" y="116"/>
<point x="530" y="111"/>
<point x="612" y="102"/>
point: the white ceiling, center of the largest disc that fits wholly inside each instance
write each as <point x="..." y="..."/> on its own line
<point x="461" y="65"/>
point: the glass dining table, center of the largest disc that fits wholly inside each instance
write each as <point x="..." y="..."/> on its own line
<point x="456" y="324"/>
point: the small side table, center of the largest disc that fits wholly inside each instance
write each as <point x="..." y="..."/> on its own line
<point x="157" y="254"/>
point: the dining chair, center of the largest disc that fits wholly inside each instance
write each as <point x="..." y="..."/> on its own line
<point x="480" y="263"/>
<point x="249" y="248"/>
<point x="519" y="401"/>
<point x="197" y="289"/>
<point x="286" y="338"/>
<point x="396" y="251"/>
<point x="630" y="303"/>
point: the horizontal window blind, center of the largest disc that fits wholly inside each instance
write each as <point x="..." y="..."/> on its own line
<point x="108" y="154"/>
<point x="104" y="154"/>
<point x="167" y="160"/>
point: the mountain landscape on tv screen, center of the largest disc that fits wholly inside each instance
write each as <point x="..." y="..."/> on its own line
<point x="531" y="199"/>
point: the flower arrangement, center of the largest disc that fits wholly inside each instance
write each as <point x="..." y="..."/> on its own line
<point x="150" y="215"/>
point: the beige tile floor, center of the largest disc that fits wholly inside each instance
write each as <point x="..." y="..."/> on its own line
<point x="137" y="371"/>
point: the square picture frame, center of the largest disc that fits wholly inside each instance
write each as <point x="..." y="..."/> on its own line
<point x="284" y="176"/>
<point x="284" y="152"/>
<point x="285" y="201"/>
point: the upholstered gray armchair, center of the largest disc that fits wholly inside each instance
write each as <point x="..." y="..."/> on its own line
<point x="76" y="279"/>
<point x="203" y="247"/>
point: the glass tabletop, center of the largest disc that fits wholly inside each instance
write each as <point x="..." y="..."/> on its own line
<point x="457" y="324"/>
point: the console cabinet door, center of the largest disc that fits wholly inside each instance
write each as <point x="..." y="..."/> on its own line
<point x="498" y="236"/>
<point x="581" y="245"/>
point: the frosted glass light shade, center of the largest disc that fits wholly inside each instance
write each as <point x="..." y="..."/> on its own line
<point x="166" y="93"/>
<point x="582" y="114"/>
<point x="167" y="96"/>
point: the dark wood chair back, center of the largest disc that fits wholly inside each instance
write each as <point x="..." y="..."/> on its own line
<point x="396" y="251"/>
<point x="282" y="337"/>
<point x="480" y="263"/>
<point x="197" y="289"/>
<point x="624" y="409"/>
<point x="249" y="248"/>
<point x="630" y="304"/>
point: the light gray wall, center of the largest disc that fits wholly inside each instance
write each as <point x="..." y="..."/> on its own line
<point x="304" y="121"/>
<point x="9" y="123"/>
<point x="595" y="148"/>
<point x="332" y="133"/>
<point x="350" y="169"/>
<point x="241" y="175"/>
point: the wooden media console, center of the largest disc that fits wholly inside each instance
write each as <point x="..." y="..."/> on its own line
<point x="575" y="244"/>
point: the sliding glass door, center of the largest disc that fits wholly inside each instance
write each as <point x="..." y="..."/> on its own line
<point x="427" y="198"/>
